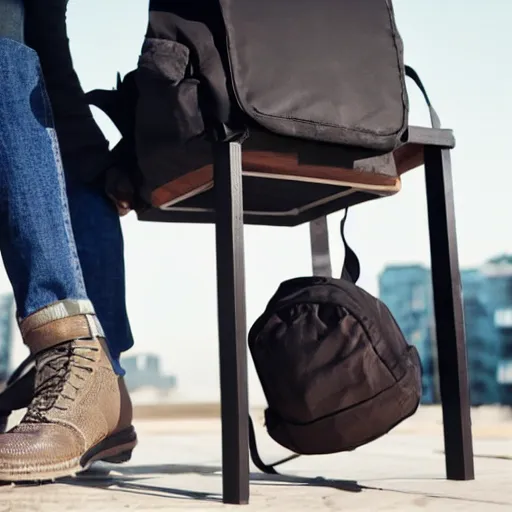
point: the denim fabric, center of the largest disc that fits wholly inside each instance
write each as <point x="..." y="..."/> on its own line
<point x="36" y="237"/>
<point x="99" y="241"/>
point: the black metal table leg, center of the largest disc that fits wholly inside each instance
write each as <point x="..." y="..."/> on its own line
<point x="232" y="322"/>
<point x="448" y="307"/>
<point x="320" y="254"/>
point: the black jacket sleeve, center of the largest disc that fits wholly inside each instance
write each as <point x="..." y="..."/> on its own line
<point x="84" y="148"/>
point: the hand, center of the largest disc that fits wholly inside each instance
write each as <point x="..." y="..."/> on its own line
<point x="120" y="190"/>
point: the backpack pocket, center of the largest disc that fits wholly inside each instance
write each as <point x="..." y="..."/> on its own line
<point x="170" y="129"/>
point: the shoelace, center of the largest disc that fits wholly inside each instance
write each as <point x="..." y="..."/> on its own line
<point x="58" y="364"/>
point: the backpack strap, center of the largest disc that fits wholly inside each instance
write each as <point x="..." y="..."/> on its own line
<point x="434" y="118"/>
<point x="269" y="469"/>
<point x="351" y="268"/>
<point x="118" y="104"/>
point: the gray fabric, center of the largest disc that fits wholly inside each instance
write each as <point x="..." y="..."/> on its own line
<point x="168" y="59"/>
<point x="327" y="70"/>
<point x="11" y="19"/>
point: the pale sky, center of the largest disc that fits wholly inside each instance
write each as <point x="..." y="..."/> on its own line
<point x="461" y="49"/>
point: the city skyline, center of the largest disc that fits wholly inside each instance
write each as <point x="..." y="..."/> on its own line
<point x="487" y="301"/>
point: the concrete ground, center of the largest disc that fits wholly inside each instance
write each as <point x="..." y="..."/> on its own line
<point x="177" y="465"/>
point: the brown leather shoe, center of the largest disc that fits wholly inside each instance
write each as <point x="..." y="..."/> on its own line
<point x="80" y="412"/>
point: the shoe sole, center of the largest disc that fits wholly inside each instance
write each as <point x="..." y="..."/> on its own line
<point x="114" y="449"/>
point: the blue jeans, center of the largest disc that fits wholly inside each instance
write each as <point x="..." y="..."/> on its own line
<point x="100" y="245"/>
<point x="36" y="237"/>
<point x="46" y="247"/>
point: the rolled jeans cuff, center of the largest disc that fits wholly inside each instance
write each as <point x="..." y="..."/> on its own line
<point x="57" y="311"/>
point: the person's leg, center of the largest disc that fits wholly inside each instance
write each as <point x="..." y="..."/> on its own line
<point x="99" y="241"/>
<point x="36" y="239"/>
<point x="96" y="228"/>
<point x="95" y="221"/>
<point x="80" y="410"/>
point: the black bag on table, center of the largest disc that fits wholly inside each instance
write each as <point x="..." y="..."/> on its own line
<point x="335" y="367"/>
<point x="284" y="77"/>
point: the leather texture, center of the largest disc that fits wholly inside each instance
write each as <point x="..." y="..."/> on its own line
<point x="78" y="403"/>
<point x="58" y="332"/>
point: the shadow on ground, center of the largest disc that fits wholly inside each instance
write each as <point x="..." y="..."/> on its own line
<point x="135" y="479"/>
<point x="145" y="480"/>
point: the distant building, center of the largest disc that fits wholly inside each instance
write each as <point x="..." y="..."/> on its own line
<point x="143" y="371"/>
<point x="482" y="339"/>
<point x="407" y="291"/>
<point x="6" y="321"/>
<point x="487" y="296"/>
<point x="498" y="297"/>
